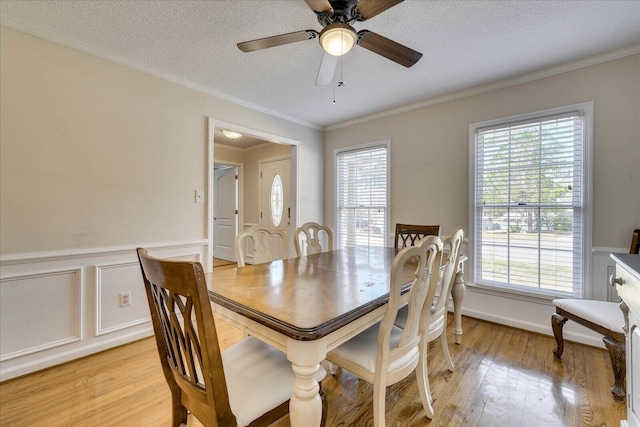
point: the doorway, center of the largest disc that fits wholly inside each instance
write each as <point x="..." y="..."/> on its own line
<point x="225" y="211"/>
<point x="252" y="186"/>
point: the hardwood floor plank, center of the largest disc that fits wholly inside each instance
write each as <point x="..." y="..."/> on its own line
<point x="503" y="377"/>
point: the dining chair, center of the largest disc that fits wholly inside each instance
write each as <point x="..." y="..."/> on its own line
<point x="385" y="354"/>
<point x="263" y="238"/>
<point x="603" y="317"/>
<point x="248" y="384"/>
<point x="437" y="326"/>
<point x="409" y="235"/>
<point x="308" y="234"/>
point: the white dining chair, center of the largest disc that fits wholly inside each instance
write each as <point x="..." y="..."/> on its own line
<point x="437" y="326"/>
<point x="385" y="354"/>
<point x="307" y="238"/>
<point x="263" y="239"/>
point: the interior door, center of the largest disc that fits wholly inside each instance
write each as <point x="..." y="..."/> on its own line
<point x="225" y="213"/>
<point x="275" y="194"/>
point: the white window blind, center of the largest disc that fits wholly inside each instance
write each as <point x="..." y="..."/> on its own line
<point x="362" y="195"/>
<point x="529" y="209"/>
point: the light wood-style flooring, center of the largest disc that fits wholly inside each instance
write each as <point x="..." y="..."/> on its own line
<point x="503" y="377"/>
<point x="217" y="262"/>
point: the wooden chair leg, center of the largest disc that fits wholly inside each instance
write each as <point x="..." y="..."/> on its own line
<point x="379" y="412"/>
<point x="422" y="377"/>
<point x="179" y="412"/>
<point x="557" y="322"/>
<point x="618" y="360"/>
<point x="445" y="350"/>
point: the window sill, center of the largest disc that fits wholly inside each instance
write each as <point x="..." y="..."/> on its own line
<point x="513" y="294"/>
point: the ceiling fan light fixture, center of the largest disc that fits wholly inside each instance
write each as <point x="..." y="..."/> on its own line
<point x="231" y="134"/>
<point x="338" y="38"/>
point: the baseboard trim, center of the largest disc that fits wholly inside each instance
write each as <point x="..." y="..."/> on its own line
<point x="31" y="366"/>
<point x="593" y="340"/>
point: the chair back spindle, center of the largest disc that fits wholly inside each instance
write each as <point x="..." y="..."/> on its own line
<point x="410" y="235"/>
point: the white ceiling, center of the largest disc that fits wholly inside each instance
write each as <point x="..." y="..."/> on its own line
<point x="466" y="44"/>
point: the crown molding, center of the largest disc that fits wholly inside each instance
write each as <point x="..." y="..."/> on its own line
<point x="103" y="54"/>
<point x="513" y="81"/>
<point x="524" y="78"/>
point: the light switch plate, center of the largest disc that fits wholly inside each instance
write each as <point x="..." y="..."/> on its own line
<point x="199" y="196"/>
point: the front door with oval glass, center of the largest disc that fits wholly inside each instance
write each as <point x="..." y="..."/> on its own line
<point x="275" y="192"/>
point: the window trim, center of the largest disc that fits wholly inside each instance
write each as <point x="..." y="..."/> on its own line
<point x="587" y="195"/>
<point x="387" y="144"/>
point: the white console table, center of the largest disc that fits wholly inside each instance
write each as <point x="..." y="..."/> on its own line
<point x="627" y="283"/>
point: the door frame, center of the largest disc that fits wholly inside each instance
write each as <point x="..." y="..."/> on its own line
<point x="213" y="123"/>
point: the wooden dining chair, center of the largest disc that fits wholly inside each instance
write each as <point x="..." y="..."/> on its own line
<point x="635" y="242"/>
<point x="409" y="235"/>
<point x="307" y="238"/>
<point x="437" y="326"/>
<point x="603" y="317"/>
<point x="249" y="384"/>
<point x="385" y="354"/>
<point x="263" y="238"/>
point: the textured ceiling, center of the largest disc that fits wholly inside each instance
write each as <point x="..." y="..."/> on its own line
<point x="465" y="44"/>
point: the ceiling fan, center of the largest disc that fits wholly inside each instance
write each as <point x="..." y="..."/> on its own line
<point x="338" y="36"/>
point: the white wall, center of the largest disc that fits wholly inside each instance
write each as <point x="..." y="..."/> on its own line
<point x="96" y="159"/>
<point x="251" y="161"/>
<point x="429" y="169"/>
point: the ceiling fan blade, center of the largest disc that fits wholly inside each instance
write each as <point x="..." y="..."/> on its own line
<point x="388" y="48"/>
<point x="367" y="9"/>
<point x="319" y="6"/>
<point x="327" y="69"/>
<point x="267" y="42"/>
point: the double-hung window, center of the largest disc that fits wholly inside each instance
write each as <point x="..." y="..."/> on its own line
<point x="362" y="194"/>
<point x="530" y="196"/>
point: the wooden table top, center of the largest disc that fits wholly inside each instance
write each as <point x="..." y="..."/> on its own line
<point x="309" y="297"/>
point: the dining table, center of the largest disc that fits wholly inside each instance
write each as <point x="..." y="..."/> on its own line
<point x="309" y="305"/>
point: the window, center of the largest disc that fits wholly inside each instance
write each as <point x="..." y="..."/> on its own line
<point x="531" y="201"/>
<point x="362" y="194"/>
<point x="277" y="196"/>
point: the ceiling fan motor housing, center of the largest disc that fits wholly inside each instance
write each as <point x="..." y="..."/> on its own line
<point x="343" y="11"/>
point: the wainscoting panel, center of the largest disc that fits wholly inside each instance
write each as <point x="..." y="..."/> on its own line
<point x="59" y="306"/>
<point x="112" y="281"/>
<point x="603" y="267"/>
<point x="39" y="312"/>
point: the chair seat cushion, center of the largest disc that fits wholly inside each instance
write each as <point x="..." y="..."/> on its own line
<point x="259" y="378"/>
<point x="362" y="350"/>
<point x="604" y="313"/>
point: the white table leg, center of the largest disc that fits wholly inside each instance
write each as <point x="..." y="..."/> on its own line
<point x="305" y="407"/>
<point x="457" y="294"/>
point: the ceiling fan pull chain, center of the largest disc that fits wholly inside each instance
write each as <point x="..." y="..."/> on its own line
<point x="341" y="82"/>
<point x="334" y="89"/>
